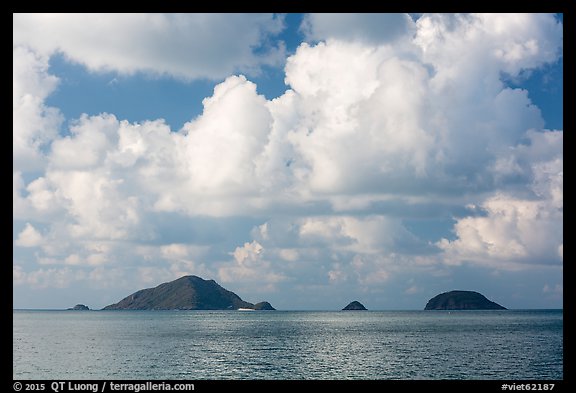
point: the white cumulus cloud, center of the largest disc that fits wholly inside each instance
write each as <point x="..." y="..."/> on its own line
<point x="250" y="266"/>
<point x="373" y="28"/>
<point x="180" y="45"/>
<point x="524" y="227"/>
<point x="35" y="124"/>
<point x="29" y="237"/>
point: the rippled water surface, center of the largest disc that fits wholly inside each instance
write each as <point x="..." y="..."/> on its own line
<point x="288" y="345"/>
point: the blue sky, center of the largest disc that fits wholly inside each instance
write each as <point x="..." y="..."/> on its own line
<point x="307" y="160"/>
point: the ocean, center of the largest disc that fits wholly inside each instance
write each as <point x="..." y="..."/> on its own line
<point x="286" y="345"/>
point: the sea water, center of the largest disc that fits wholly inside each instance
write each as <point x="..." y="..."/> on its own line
<point x="405" y="345"/>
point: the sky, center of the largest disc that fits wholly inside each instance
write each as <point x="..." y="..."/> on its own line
<point x="303" y="159"/>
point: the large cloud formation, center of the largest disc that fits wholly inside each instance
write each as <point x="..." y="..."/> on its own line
<point x="378" y="126"/>
<point x="181" y="45"/>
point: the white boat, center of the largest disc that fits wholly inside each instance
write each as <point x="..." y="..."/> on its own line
<point x="245" y="309"/>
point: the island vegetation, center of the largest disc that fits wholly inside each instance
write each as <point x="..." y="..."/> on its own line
<point x="186" y="293"/>
<point x="461" y="300"/>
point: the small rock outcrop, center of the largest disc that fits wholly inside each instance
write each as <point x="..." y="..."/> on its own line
<point x="79" y="307"/>
<point x="354" y="306"/>
<point x="461" y="300"/>
<point x="264" y="306"/>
